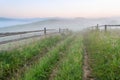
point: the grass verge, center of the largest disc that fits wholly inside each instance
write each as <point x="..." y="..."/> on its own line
<point x="42" y="69"/>
<point x="103" y="49"/>
<point x="71" y="66"/>
<point x="11" y="61"/>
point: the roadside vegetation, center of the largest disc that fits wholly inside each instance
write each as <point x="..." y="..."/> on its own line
<point x="104" y="54"/>
<point x="61" y="57"/>
<point x="11" y="61"/>
<point x="42" y="69"/>
<point x="71" y="66"/>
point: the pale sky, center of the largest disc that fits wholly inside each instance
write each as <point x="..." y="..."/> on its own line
<point x="59" y="8"/>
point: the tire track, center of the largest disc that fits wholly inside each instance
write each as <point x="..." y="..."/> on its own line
<point x="86" y="67"/>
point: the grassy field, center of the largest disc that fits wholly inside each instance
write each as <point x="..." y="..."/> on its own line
<point x="42" y="69"/>
<point x="70" y="67"/>
<point x="21" y="63"/>
<point x="61" y="57"/>
<point x="104" y="54"/>
<point x="11" y="61"/>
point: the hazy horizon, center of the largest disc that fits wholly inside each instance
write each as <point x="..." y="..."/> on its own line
<point x="58" y="17"/>
<point x="26" y="14"/>
<point x="59" y="8"/>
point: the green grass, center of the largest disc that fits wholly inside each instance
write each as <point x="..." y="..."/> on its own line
<point x="11" y="61"/>
<point x="42" y="69"/>
<point x="71" y="66"/>
<point x="104" y="54"/>
<point x="103" y="50"/>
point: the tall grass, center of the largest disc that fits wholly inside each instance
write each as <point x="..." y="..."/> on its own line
<point x="71" y="66"/>
<point x="41" y="70"/>
<point x="11" y="61"/>
<point x="104" y="54"/>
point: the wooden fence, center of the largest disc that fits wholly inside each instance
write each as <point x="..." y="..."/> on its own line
<point x="45" y="31"/>
<point x="97" y="27"/>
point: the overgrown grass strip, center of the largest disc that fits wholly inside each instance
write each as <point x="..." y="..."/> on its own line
<point x="42" y="70"/>
<point x="104" y="54"/>
<point x="11" y="61"/>
<point x="71" y="67"/>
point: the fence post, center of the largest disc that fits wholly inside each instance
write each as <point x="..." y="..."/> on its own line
<point x="97" y="27"/>
<point x="44" y="31"/>
<point x="105" y="27"/>
<point x="67" y="29"/>
<point x="59" y="30"/>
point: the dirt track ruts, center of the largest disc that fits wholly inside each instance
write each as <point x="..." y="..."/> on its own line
<point x="86" y="67"/>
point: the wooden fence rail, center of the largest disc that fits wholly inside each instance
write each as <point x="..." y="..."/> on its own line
<point x="45" y="31"/>
<point x="104" y="26"/>
<point x="24" y="32"/>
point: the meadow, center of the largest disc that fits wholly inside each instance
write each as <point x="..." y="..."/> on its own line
<point x="11" y="61"/>
<point x="103" y="50"/>
<point x="61" y="57"/>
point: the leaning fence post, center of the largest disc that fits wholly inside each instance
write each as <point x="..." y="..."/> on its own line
<point x="105" y="27"/>
<point x="44" y="31"/>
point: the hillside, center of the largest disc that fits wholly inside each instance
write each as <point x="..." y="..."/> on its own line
<point x="72" y="23"/>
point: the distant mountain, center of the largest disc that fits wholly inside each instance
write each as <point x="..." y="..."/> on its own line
<point x="7" y="22"/>
<point x="5" y="19"/>
<point x="22" y="19"/>
<point x="75" y="24"/>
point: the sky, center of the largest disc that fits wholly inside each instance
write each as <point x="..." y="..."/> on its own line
<point x="59" y="8"/>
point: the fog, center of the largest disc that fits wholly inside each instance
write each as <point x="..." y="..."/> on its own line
<point x="75" y="24"/>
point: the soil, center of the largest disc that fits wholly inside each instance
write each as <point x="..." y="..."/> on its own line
<point x="86" y="67"/>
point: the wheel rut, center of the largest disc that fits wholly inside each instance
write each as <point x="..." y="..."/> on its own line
<point x="86" y="67"/>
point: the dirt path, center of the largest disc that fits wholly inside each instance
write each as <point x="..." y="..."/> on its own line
<point x="86" y="68"/>
<point x="54" y="71"/>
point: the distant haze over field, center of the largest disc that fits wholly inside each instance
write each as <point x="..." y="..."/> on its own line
<point x="7" y="22"/>
<point x="25" y="15"/>
<point x="75" y="24"/>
